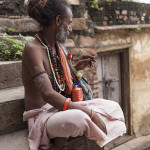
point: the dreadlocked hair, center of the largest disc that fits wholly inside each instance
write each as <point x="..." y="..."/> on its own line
<point x="45" y="11"/>
<point x="35" y="4"/>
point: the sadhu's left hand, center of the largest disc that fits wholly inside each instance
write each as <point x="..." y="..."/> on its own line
<point x="84" y="62"/>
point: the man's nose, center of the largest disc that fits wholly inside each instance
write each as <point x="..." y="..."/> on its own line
<point x="70" y="28"/>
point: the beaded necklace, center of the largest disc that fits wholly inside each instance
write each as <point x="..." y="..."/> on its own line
<point x="55" y="64"/>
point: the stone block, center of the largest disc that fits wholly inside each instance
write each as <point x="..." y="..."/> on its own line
<point x="87" y="51"/>
<point x="140" y="143"/>
<point x="86" y="41"/>
<point x="10" y="74"/>
<point x="11" y="116"/>
<point x="82" y="143"/>
<point x="105" y="18"/>
<point x="14" y="141"/>
<point x="75" y="51"/>
<point x="124" y="12"/>
<point x="1" y="2"/>
<point x="70" y="43"/>
<point x="25" y="24"/>
<point x="122" y="147"/>
<point x="120" y="17"/>
<point x="73" y="2"/>
<point x="104" y="23"/>
<point x="79" y="24"/>
<point x="11" y="109"/>
<point x="117" y="12"/>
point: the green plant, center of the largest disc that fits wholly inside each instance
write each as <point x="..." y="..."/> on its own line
<point x="138" y="29"/>
<point x="96" y="6"/>
<point x="11" y="49"/>
<point x="10" y="30"/>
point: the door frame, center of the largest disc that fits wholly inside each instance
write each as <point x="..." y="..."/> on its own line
<point x="125" y="84"/>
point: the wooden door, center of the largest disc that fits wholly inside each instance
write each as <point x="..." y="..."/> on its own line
<point x="108" y="71"/>
<point x="114" y="80"/>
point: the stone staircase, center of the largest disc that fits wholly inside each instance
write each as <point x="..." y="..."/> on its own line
<point x="13" y="131"/>
<point x="11" y="97"/>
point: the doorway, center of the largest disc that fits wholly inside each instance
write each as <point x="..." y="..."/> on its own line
<point x="113" y="79"/>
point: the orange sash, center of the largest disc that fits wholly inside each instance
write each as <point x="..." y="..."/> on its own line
<point x="66" y="73"/>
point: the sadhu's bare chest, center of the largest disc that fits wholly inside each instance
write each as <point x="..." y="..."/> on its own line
<point x="47" y="66"/>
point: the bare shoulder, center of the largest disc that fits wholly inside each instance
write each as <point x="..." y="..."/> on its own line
<point x="32" y="47"/>
<point x="32" y="51"/>
<point x="33" y="56"/>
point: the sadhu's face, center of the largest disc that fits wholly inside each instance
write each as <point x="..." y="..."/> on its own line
<point x="65" y="28"/>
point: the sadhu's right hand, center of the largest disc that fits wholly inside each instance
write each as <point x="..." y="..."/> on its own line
<point x="98" y="121"/>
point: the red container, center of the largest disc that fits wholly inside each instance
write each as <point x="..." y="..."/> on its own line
<point x="77" y="94"/>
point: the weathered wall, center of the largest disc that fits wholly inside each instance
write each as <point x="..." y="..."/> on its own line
<point x="140" y="81"/>
<point x="139" y="64"/>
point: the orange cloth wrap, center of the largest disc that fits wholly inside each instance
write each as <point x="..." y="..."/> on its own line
<point x="66" y="73"/>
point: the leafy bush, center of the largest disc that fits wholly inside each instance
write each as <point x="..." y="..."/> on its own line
<point x="9" y="31"/>
<point x="96" y="6"/>
<point x="11" y="49"/>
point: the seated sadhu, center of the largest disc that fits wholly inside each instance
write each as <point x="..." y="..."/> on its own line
<point x="49" y="77"/>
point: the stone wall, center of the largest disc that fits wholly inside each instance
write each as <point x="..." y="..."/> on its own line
<point x="79" y="45"/>
<point x="12" y="8"/>
<point x="120" y="13"/>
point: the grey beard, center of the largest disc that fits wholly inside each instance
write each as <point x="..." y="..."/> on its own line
<point x="62" y="35"/>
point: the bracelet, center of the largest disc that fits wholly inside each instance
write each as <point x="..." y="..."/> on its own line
<point x="66" y="103"/>
<point x="37" y="74"/>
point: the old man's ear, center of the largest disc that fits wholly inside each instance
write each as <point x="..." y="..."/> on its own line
<point x="58" y="20"/>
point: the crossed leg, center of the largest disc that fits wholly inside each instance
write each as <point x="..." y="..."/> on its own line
<point x="65" y="124"/>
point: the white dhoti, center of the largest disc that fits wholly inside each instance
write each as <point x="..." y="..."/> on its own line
<point x="47" y="123"/>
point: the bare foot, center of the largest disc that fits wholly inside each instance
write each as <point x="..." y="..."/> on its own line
<point x="61" y="143"/>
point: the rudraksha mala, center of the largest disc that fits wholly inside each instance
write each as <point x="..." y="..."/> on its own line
<point x="56" y="64"/>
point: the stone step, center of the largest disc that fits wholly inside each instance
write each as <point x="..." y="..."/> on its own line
<point x="14" y="141"/>
<point x="139" y="143"/>
<point x="18" y="141"/>
<point x="11" y="109"/>
<point x="10" y="74"/>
